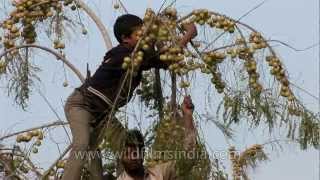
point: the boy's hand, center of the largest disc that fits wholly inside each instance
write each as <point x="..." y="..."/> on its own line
<point x="191" y="30"/>
<point x="187" y="106"/>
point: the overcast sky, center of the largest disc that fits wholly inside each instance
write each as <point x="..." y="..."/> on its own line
<point x="293" y="21"/>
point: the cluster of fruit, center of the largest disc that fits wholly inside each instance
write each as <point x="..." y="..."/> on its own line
<point x="3" y="66"/>
<point x="173" y="54"/>
<point x="60" y="164"/>
<point x="23" y="19"/>
<point x="250" y="152"/>
<point x="157" y="30"/>
<point x="219" y="84"/>
<point x="236" y="167"/>
<point x="278" y="71"/>
<point x="171" y="13"/>
<point x="144" y="44"/>
<point x="257" y="41"/>
<point x="191" y="59"/>
<point x="241" y="161"/>
<point x="232" y="52"/>
<point x="184" y="84"/>
<point x="27" y="12"/>
<point x="54" y="172"/>
<point x="212" y="59"/>
<point x="134" y="63"/>
<point x="251" y="67"/>
<point x="246" y="54"/>
<point x="180" y="68"/>
<point x="203" y="16"/>
<point x="294" y="110"/>
<point x="27" y="137"/>
<point x="146" y="91"/>
<point x="200" y="16"/>
<point x="221" y="22"/>
<point x="168" y="127"/>
<point x="162" y="30"/>
<point x="57" y="44"/>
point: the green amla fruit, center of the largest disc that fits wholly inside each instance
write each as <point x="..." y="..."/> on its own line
<point x="37" y="143"/>
<point x="35" y="150"/>
<point x="84" y="31"/>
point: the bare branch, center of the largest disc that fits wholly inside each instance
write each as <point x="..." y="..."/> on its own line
<point x="123" y="7"/>
<point x="54" y="111"/>
<point x="98" y="22"/>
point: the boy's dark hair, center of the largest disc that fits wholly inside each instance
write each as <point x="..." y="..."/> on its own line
<point x="125" y="25"/>
<point x="134" y="138"/>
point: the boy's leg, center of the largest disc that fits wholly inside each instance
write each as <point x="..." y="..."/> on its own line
<point x="79" y="120"/>
<point x="95" y="163"/>
<point x="114" y="134"/>
<point x="95" y="168"/>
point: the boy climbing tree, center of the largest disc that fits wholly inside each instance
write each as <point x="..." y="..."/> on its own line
<point x="87" y="106"/>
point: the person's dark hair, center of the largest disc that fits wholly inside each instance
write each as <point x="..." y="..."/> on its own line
<point x="125" y="25"/>
<point x="134" y="138"/>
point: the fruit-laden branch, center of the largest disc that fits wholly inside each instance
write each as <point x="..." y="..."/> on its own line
<point x="33" y="167"/>
<point x="7" y="159"/>
<point x="98" y="22"/>
<point x="235" y="21"/>
<point x="45" y="174"/>
<point x="57" y="55"/>
<point x="56" y="123"/>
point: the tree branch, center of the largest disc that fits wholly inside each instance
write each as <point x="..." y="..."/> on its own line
<point x="55" y="162"/>
<point x="57" y="55"/>
<point x="56" y="123"/>
<point x="174" y="94"/>
<point x="159" y="95"/>
<point x="97" y="21"/>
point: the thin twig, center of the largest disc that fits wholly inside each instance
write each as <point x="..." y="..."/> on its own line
<point x="305" y="91"/>
<point x="54" y="111"/>
<point x="293" y="48"/>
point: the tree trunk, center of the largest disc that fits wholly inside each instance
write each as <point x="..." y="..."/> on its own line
<point x="174" y="94"/>
<point x="158" y="92"/>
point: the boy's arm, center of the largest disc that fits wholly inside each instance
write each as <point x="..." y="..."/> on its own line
<point x="190" y="138"/>
<point x="189" y="143"/>
<point x="154" y="60"/>
<point x="190" y="33"/>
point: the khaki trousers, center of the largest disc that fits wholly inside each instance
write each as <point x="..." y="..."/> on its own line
<point x="83" y="136"/>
